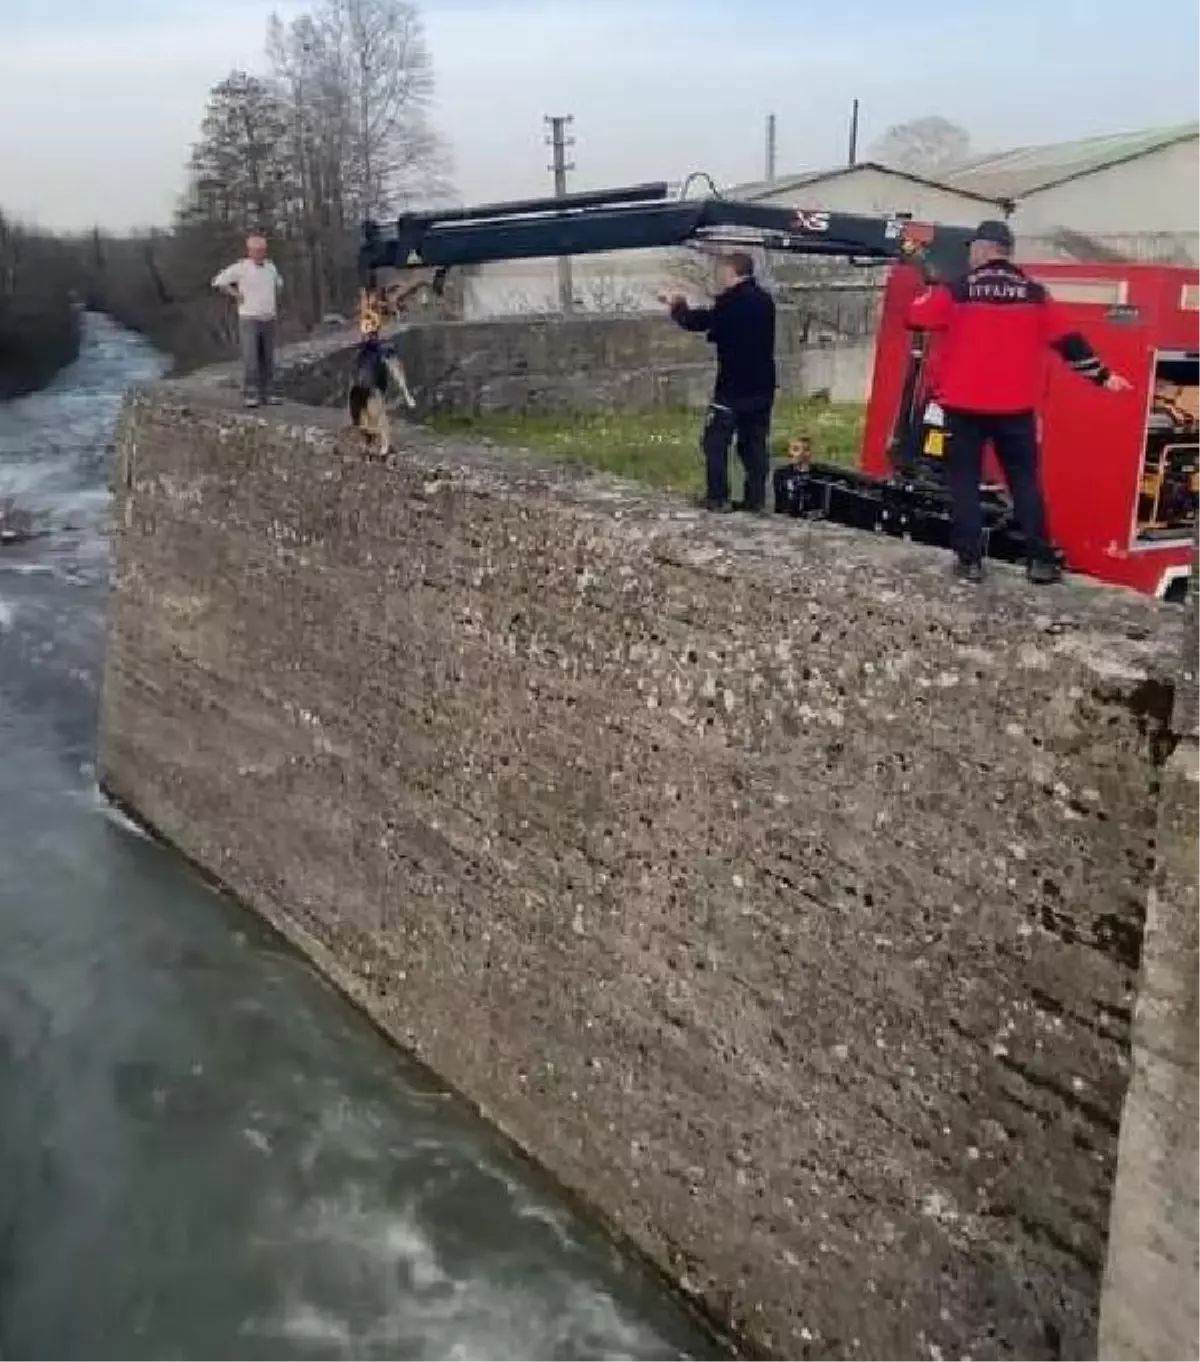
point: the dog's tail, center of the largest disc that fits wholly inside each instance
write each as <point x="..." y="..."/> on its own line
<point x="358" y="399"/>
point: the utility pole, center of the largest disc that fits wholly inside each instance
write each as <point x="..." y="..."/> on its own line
<point x="852" y="158"/>
<point x="770" y="148"/>
<point x="558" y="141"/>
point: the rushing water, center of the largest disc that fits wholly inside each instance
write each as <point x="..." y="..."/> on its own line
<point x="203" y="1151"/>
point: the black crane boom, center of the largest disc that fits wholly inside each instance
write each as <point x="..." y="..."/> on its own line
<point x="913" y="500"/>
<point x="642" y="217"/>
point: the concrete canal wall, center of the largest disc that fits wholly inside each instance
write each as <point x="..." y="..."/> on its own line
<point x="783" y="901"/>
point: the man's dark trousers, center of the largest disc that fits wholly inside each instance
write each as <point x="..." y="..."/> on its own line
<point x="1014" y="438"/>
<point x="751" y="423"/>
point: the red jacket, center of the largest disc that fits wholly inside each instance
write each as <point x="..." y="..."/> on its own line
<point x="932" y="390"/>
<point x="995" y="327"/>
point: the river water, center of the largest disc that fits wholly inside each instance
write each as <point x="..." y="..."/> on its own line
<point x="204" y="1152"/>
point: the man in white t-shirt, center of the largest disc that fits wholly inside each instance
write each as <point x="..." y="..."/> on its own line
<point x="254" y="284"/>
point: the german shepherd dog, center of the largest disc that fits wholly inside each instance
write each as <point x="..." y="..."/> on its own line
<point x="378" y="379"/>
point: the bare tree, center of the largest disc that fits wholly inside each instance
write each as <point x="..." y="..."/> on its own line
<point x="358" y="79"/>
<point x="39" y="330"/>
<point x="613" y="292"/>
<point x="316" y="145"/>
<point x="336" y="130"/>
<point x="394" y="153"/>
<point x="925" y="146"/>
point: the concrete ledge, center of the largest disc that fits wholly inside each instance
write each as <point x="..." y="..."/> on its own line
<point x="1150" y="1307"/>
<point x="779" y="897"/>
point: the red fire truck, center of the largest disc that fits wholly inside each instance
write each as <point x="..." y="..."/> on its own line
<point x="1120" y="471"/>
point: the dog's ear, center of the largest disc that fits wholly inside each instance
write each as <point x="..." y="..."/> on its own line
<point x="372" y="307"/>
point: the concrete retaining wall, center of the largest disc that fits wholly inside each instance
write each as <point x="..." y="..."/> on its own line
<point x="780" y="899"/>
<point x="1150" y="1308"/>
<point x="568" y="364"/>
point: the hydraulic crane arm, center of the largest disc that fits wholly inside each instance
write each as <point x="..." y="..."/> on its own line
<point x="645" y="217"/>
<point x="642" y="217"/>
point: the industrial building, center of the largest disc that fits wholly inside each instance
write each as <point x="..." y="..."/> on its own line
<point x="1134" y="195"/>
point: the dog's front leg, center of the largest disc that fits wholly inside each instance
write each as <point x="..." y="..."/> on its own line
<point x="400" y="381"/>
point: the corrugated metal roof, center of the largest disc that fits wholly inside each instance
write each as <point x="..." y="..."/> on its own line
<point x="1023" y="170"/>
<point x="782" y="184"/>
<point x="786" y="184"/>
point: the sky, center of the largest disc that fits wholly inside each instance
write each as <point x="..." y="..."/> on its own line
<point x="101" y="100"/>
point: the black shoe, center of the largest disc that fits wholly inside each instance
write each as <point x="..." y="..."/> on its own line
<point x="1044" y="571"/>
<point x="968" y="570"/>
<point x="717" y="507"/>
<point x="750" y="508"/>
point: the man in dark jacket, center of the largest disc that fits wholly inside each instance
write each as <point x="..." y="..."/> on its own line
<point x="995" y="325"/>
<point x="741" y="325"/>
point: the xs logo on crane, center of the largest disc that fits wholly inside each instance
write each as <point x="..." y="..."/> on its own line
<point x="811" y="222"/>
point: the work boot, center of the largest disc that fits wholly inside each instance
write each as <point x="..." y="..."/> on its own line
<point x="1044" y="571"/>
<point x="968" y="570"/>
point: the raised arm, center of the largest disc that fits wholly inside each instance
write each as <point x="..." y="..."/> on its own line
<point x="698" y="319"/>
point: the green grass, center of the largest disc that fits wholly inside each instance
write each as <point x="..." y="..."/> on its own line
<point x="660" y="447"/>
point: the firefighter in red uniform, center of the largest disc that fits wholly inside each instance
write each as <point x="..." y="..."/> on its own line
<point x="995" y="326"/>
